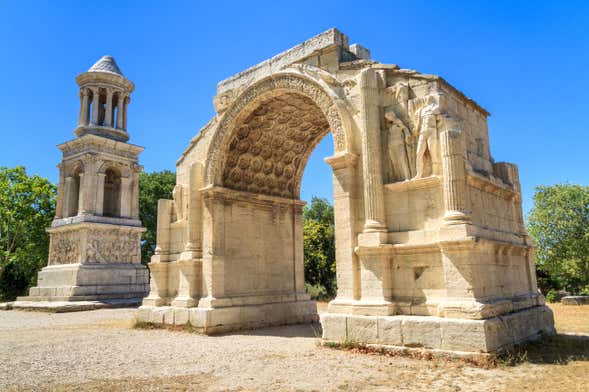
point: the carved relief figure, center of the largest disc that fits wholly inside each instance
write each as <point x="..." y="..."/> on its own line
<point x="427" y="141"/>
<point x="399" y="140"/>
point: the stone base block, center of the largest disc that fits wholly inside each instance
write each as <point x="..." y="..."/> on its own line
<point x="217" y="320"/>
<point x="440" y="333"/>
<point x="90" y="282"/>
<point x="575" y="300"/>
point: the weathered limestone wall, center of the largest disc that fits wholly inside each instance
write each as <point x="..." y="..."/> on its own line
<point x="268" y="268"/>
<point x="428" y="227"/>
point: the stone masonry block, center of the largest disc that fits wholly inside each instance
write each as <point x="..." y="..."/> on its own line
<point x="463" y="335"/>
<point x="422" y="331"/>
<point x="363" y="329"/>
<point x="181" y="316"/>
<point x="389" y="331"/>
<point x="334" y="326"/>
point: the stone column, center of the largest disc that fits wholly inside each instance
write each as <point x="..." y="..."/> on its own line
<point x="135" y="197"/>
<point x="120" y="111"/>
<point x="159" y="266"/>
<point x="60" y="193"/>
<point x="158" y="285"/>
<point x="67" y="197"/>
<point x="109" y="110"/>
<point x="95" y="104"/>
<point x="371" y="153"/>
<point x="454" y="177"/>
<point x="193" y="246"/>
<point x="298" y="253"/>
<point x="189" y="283"/>
<point x="347" y="267"/>
<point x="213" y="260"/>
<point x="100" y="193"/>
<point x="164" y="219"/>
<point x="125" y="104"/>
<point x="83" y="118"/>
<point x="125" y="208"/>
<point x="82" y="194"/>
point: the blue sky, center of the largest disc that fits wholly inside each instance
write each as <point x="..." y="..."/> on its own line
<point x="525" y="62"/>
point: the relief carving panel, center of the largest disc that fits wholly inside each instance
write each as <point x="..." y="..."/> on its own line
<point x="112" y="247"/>
<point x="64" y="248"/>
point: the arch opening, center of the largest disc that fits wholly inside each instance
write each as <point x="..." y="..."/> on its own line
<point x="267" y="152"/>
<point x="74" y="195"/>
<point x="112" y="193"/>
<point x="269" y="149"/>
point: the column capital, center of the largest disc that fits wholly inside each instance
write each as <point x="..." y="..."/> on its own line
<point x="342" y="160"/>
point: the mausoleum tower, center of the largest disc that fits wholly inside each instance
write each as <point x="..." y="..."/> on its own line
<point x="94" y="251"/>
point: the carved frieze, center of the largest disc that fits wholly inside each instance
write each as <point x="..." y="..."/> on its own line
<point x="64" y="248"/>
<point x="112" y="247"/>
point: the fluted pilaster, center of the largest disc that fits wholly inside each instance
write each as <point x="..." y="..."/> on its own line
<point x="454" y="177"/>
<point x="371" y="153"/>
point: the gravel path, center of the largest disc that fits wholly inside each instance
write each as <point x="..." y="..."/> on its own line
<point x="99" y="350"/>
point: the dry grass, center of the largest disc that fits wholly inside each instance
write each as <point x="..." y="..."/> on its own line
<point x="571" y="318"/>
<point x="562" y="361"/>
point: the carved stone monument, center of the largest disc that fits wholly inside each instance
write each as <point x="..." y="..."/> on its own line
<point x="431" y="249"/>
<point x="94" y="251"/>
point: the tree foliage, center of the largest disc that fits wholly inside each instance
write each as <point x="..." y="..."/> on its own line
<point x="559" y="224"/>
<point x="27" y="207"/>
<point x="319" y="247"/>
<point x="152" y="187"/>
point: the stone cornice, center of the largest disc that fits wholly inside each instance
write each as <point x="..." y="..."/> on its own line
<point x="94" y="220"/>
<point x="490" y="185"/>
<point x="419" y="183"/>
<point x="342" y="160"/>
<point x="102" y="78"/>
<point x="119" y="135"/>
<point x="89" y="140"/>
<point x="227" y="194"/>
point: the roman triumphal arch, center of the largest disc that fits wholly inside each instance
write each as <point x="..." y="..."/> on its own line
<point x="431" y="250"/>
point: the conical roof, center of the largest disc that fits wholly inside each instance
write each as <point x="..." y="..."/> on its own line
<point x="106" y="64"/>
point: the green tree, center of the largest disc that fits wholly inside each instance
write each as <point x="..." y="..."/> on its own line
<point x="27" y="207"/>
<point x="152" y="187"/>
<point x="319" y="247"/>
<point x="559" y="225"/>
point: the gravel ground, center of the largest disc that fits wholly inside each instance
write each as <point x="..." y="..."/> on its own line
<point x="99" y="350"/>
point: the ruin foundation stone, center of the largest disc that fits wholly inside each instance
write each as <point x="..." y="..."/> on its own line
<point x="431" y="249"/>
<point x="94" y="250"/>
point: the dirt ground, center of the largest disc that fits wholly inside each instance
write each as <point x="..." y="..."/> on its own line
<point x="100" y="350"/>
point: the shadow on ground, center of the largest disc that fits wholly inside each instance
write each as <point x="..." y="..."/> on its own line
<point x="556" y="350"/>
<point x="285" y="331"/>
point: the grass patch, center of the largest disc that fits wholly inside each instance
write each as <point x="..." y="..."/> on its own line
<point x="187" y="328"/>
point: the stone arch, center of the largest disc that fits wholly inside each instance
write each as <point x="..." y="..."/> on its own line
<point x="124" y="170"/>
<point x="328" y="115"/>
<point x="112" y="192"/>
<point x="76" y="173"/>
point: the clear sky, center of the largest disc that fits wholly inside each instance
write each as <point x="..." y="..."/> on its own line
<point x="525" y="62"/>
